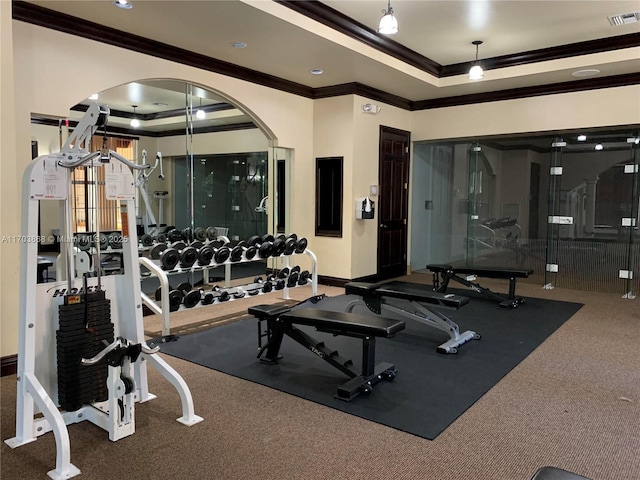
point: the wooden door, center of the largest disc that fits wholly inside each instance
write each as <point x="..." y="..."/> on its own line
<point x="393" y="201"/>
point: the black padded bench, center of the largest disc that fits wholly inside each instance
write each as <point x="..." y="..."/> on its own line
<point x="415" y="302"/>
<point x="553" y="473"/>
<point x="282" y="320"/>
<point x="443" y="273"/>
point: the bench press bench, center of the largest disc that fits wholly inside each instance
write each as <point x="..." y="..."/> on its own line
<point x="443" y="273"/>
<point x="415" y="303"/>
<point x="281" y="321"/>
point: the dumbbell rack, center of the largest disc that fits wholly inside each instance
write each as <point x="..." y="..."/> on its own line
<point x="110" y="305"/>
<point x="163" y="309"/>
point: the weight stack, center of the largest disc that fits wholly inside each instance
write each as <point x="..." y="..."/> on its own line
<point x="85" y="329"/>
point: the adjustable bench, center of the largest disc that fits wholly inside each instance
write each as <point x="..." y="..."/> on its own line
<point x="282" y="320"/>
<point x="442" y="274"/>
<point x="413" y="302"/>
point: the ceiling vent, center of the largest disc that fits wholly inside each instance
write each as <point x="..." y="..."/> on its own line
<point x="624" y="19"/>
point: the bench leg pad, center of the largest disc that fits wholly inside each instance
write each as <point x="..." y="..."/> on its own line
<point x="364" y="385"/>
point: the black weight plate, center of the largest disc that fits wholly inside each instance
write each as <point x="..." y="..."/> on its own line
<point x="187" y="234"/>
<point x="301" y="246"/>
<point x="282" y="237"/>
<point x="169" y="258"/>
<point x="295" y="269"/>
<point x="161" y="238"/>
<point x="175" y="299"/>
<point x="278" y="247"/>
<point x="104" y="241"/>
<point x="284" y="273"/>
<point x="205" y="255"/>
<point x="174" y="235"/>
<point x="267" y="237"/>
<point x="265" y="250"/>
<point x="211" y="233"/>
<point x="200" y="234"/>
<point x="197" y="244"/>
<point x="157" y="250"/>
<point x="222" y="254"/>
<point x="290" y="246"/>
<point x="188" y="257"/>
<point x="267" y="287"/>
<point x="293" y="279"/>
<point x="304" y="277"/>
<point x="241" y="243"/>
<point x="191" y="299"/>
<point x="253" y="241"/>
<point x="179" y="245"/>
<point x="184" y="287"/>
<point x="146" y="240"/>
<point x="280" y="284"/>
<point x="236" y="253"/>
<point x="208" y="298"/>
<point x="250" y="253"/>
<point x="293" y="236"/>
<point x="224" y="296"/>
<point x="83" y="242"/>
<point x="115" y="240"/>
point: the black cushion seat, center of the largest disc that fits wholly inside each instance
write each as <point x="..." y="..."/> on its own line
<point x="488" y="272"/>
<point x="348" y="323"/>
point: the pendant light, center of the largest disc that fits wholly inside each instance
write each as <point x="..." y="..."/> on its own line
<point x="200" y="113"/>
<point x="476" y="72"/>
<point x="388" y="23"/>
<point x="135" y="123"/>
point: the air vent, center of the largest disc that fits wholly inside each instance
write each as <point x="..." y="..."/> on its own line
<point x="624" y="19"/>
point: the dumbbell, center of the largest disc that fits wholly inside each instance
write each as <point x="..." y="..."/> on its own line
<point x="200" y="234"/>
<point x="205" y="255"/>
<point x="211" y="233"/>
<point x="169" y="257"/>
<point x="219" y="294"/>
<point x="207" y="297"/>
<point x="264" y="244"/>
<point x="147" y="240"/>
<point x="187" y="256"/>
<point x="240" y="250"/>
<point x="174" y="235"/>
<point x="301" y="245"/>
<point x="175" y="297"/>
<point x="259" y="285"/>
<point x="290" y="244"/>
<point x="115" y="240"/>
<point x="84" y="241"/>
<point x="304" y="277"/>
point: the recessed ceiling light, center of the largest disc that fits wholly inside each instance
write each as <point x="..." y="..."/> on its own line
<point x="587" y="72"/>
<point x="124" y="4"/>
<point x="582" y="138"/>
<point x="599" y="146"/>
<point x="316" y="71"/>
<point x="160" y="104"/>
<point x="238" y="44"/>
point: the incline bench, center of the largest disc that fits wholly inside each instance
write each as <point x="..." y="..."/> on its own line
<point x="442" y="274"/>
<point x="413" y="302"/>
<point x="282" y="320"/>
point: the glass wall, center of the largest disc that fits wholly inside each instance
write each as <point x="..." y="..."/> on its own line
<point x="564" y="205"/>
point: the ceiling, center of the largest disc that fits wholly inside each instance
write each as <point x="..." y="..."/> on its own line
<point x="527" y="45"/>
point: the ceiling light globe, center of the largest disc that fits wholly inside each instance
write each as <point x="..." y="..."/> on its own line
<point x="135" y="123"/>
<point x="476" y="73"/>
<point x="200" y="114"/>
<point x="388" y="25"/>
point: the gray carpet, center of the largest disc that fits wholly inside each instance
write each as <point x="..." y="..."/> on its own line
<point x="431" y="389"/>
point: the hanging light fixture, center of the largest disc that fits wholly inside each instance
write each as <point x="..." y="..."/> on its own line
<point x="476" y="72"/>
<point x="388" y="23"/>
<point x="200" y="113"/>
<point x="135" y="123"/>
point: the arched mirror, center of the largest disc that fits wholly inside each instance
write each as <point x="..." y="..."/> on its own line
<point x="211" y="165"/>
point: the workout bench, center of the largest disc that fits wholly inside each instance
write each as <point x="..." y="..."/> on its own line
<point x="413" y="302"/>
<point x="282" y="320"/>
<point x="442" y="274"/>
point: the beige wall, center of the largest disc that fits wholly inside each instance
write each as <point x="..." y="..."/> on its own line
<point x="9" y="190"/>
<point x="52" y="73"/>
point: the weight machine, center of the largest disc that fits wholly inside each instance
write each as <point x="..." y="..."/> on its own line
<point x="82" y="354"/>
<point x="142" y="180"/>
